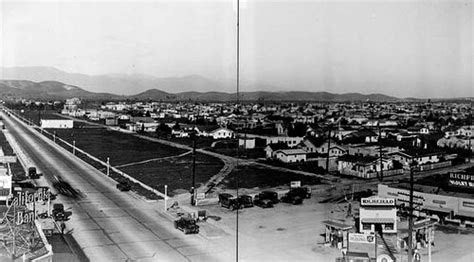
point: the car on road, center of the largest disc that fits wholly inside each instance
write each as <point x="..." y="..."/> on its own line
<point x="32" y="174"/>
<point x="59" y="214"/>
<point x="187" y="225"/>
<point x="124" y="186"/>
<point x="245" y="201"/>
<point x="229" y="201"/>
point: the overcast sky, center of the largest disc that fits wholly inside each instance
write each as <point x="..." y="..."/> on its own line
<point x="402" y="48"/>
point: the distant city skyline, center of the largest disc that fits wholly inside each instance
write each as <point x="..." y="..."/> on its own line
<point x="399" y="48"/>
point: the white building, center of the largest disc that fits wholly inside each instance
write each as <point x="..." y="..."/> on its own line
<point x="290" y="155"/>
<point x="5" y="184"/>
<point x="57" y="123"/>
<point x="378" y="214"/>
<point x="221" y="133"/>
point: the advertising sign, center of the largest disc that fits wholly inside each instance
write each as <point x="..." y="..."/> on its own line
<point x="8" y="159"/>
<point x="375" y="201"/>
<point x="462" y="180"/>
<point x="295" y="184"/>
<point x="200" y="196"/>
<point x="361" y="238"/>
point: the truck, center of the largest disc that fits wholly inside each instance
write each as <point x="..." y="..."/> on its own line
<point x="229" y="201"/>
<point x="296" y="195"/>
<point x="187" y="225"/>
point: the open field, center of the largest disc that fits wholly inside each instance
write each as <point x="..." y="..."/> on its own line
<point x="176" y="173"/>
<point x="251" y="176"/>
<point x="121" y="148"/>
<point x="152" y="163"/>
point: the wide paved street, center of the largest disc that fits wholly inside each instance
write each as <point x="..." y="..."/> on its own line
<point x="108" y="224"/>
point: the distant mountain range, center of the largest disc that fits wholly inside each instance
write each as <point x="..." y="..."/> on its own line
<point x="49" y="83"/>
<point x="120" y="84"/>
<point x="56" y="90"/>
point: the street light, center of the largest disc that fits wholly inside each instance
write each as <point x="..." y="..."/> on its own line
<point x="108" y="166"/>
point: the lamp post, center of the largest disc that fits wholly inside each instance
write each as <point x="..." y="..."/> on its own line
<point x="108" y="166"/>
<point x="166" y="197"/>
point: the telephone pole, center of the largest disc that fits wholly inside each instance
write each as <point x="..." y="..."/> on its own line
<point x="193" y="187"/>
<point x="380" y="152"/>
<point x="329" y="148"/>
<point x="410" y="217"/>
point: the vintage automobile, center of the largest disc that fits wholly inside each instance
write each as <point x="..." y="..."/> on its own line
<point x="263" y="203"/>
<point x="187" y="225"/>
<point x="292" y="197"/>
<point x="124" y="186"/>
<point x="59" y="214"/>
<point x="245" y="201"/>
<point x="229" y="201"/>
<point x="32" y="173"/>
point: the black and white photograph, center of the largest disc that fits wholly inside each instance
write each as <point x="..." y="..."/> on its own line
<point x="236" y="130"/>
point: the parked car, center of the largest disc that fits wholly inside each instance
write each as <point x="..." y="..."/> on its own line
<point x="59" y="214"/>
<point x="296" y="195"/>
<point x="270" y="195"/>
<point x="263" y="203"/>
<point x="124" y="186"/>
<point x="292" y="197"/>
<point x="245" y="201"/>
<point x="228" y="201"/>
<point x="187" y="225"/>
<point x="32" y="172"/>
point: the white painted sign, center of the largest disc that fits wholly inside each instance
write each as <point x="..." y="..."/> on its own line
<point x="8" y="159"/>
<point x="200" y="196"/>
<point x="295" y="184"/>
<point x="361" y="238"/>
<point x="373" y="201"/>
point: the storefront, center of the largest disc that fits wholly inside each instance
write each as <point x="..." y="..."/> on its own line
<point x="378" y="214"/>
<point x="336" y="233"/>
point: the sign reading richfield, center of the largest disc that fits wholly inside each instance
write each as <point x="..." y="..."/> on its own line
<point x="361" y="238"/>
<point x="375" y="201"/>
<point x="461" y="180"/>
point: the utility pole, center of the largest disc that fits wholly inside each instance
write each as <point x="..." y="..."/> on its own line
<point x="193" y="187"/>
<point x="329" y="147"/>
<point x="380" y="152"/>
<point x="410" y="217"/>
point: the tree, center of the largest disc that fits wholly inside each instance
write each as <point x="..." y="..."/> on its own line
<point x="163" y="130"/>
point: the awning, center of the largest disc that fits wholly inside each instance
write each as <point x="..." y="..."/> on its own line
<point x="438" y="209"/>
<point x="337" y="225"/>
<point x="379" y="220"/>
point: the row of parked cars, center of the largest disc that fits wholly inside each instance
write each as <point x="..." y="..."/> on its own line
<point x="264" y="199"/>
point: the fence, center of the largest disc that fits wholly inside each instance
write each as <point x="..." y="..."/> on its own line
<point x="433" y="166"/>
<point x="372" y="174"/>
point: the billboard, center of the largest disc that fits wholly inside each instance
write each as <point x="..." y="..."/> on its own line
<point x="461" y="180"/>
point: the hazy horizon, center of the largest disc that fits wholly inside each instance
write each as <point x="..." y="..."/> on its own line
<point x="398" y="48"/>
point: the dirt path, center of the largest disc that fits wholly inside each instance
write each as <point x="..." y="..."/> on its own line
<point x="153" y="159"/>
